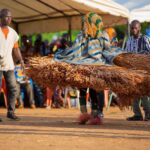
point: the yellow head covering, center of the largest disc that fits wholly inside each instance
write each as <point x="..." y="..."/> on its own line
<point x="93" y="25"/>
<point x="111" y="32"/>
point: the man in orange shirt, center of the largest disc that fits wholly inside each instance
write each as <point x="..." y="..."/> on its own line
<point x="8" y="47"/>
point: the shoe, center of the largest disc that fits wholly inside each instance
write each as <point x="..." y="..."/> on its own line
<point x="83" y="118"/>
<point x="147" y="117"/>
<point x="95" y="121"/>
<point x="20" y="106"/>
<point x="0" y="120"/>
<point x="12" y="116"/>
<point x="48" y="107"/>
<point x="135" y="118"/>
<point x="33" y="106"/>
<point x="101" y="115"/>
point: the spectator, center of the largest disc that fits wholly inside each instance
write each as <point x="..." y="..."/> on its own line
<point x="65" y="41"/>
<point x="59" y="43"/>
<point x="46" y="48"/>
<point x="112" y="36"/>
<point x="26" y="46"/>
<point x="38" y="94"/>
<point x="23" y="43"/>
<point x="58" y="97"/>
<point x="48" y="97"/>
<point x="24" y="84"/>
<point x="71" y="97"/>
<point x="139" y="43"/>
<point x="8" y="46"/>
<point x="39" y="45"/>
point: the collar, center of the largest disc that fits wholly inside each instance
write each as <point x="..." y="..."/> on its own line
<point x="137" y="37"/>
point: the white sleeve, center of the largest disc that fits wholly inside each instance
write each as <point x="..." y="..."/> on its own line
<point x="16" y="37"/>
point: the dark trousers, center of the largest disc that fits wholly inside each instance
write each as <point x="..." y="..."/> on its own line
<point x="97" y="100"/>
<point x="11" y="88"/>
<point x="146" y="106"/>
<point x="29" y="92"/>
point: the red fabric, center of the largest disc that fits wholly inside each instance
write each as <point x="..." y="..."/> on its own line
<point x="4" y="86"/>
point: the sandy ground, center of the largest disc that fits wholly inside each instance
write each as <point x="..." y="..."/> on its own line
<point x="57" y="129"/>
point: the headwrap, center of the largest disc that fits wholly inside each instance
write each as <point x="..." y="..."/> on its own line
<point x="111" y="32"/>
<point x="93" y="25"/>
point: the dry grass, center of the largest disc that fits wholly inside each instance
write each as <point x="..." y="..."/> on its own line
<point x="133" y="61"/>
<point x="126" y="83"/>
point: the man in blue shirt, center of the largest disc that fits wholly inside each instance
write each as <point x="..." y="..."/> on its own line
<point x="139" y="43"/>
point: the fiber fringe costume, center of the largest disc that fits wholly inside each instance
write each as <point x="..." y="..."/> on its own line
<point x="91" y="47"/>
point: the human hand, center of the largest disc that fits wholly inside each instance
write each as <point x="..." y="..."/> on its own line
<point x="23" y="67"/>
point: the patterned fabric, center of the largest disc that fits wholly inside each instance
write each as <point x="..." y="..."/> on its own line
<point x="91" y="46"/>
<point x="88" y="51"/>
<point x="139" y="45"/>
<point x="93" y="25"/>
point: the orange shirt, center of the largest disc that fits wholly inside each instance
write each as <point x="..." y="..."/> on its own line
<point x="5" y="32"/>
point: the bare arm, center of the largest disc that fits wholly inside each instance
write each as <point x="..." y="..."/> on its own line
<point x="18" y="56"/>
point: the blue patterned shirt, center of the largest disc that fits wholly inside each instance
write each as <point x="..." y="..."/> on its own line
<point x="139" y="45"/>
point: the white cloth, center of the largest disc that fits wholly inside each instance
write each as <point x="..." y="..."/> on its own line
<point x="6" y="47"/>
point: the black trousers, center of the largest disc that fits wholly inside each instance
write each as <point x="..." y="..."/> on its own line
<point x="97" y="99"/>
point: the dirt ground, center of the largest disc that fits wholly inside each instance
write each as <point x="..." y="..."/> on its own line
<point x="57" y="129"/>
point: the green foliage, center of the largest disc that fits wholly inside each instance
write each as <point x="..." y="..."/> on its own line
<point x="144" y="26"/>
<point x="49" y="36"/>
<point x="74" y="34"/>
<point x="121" y="31"/>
